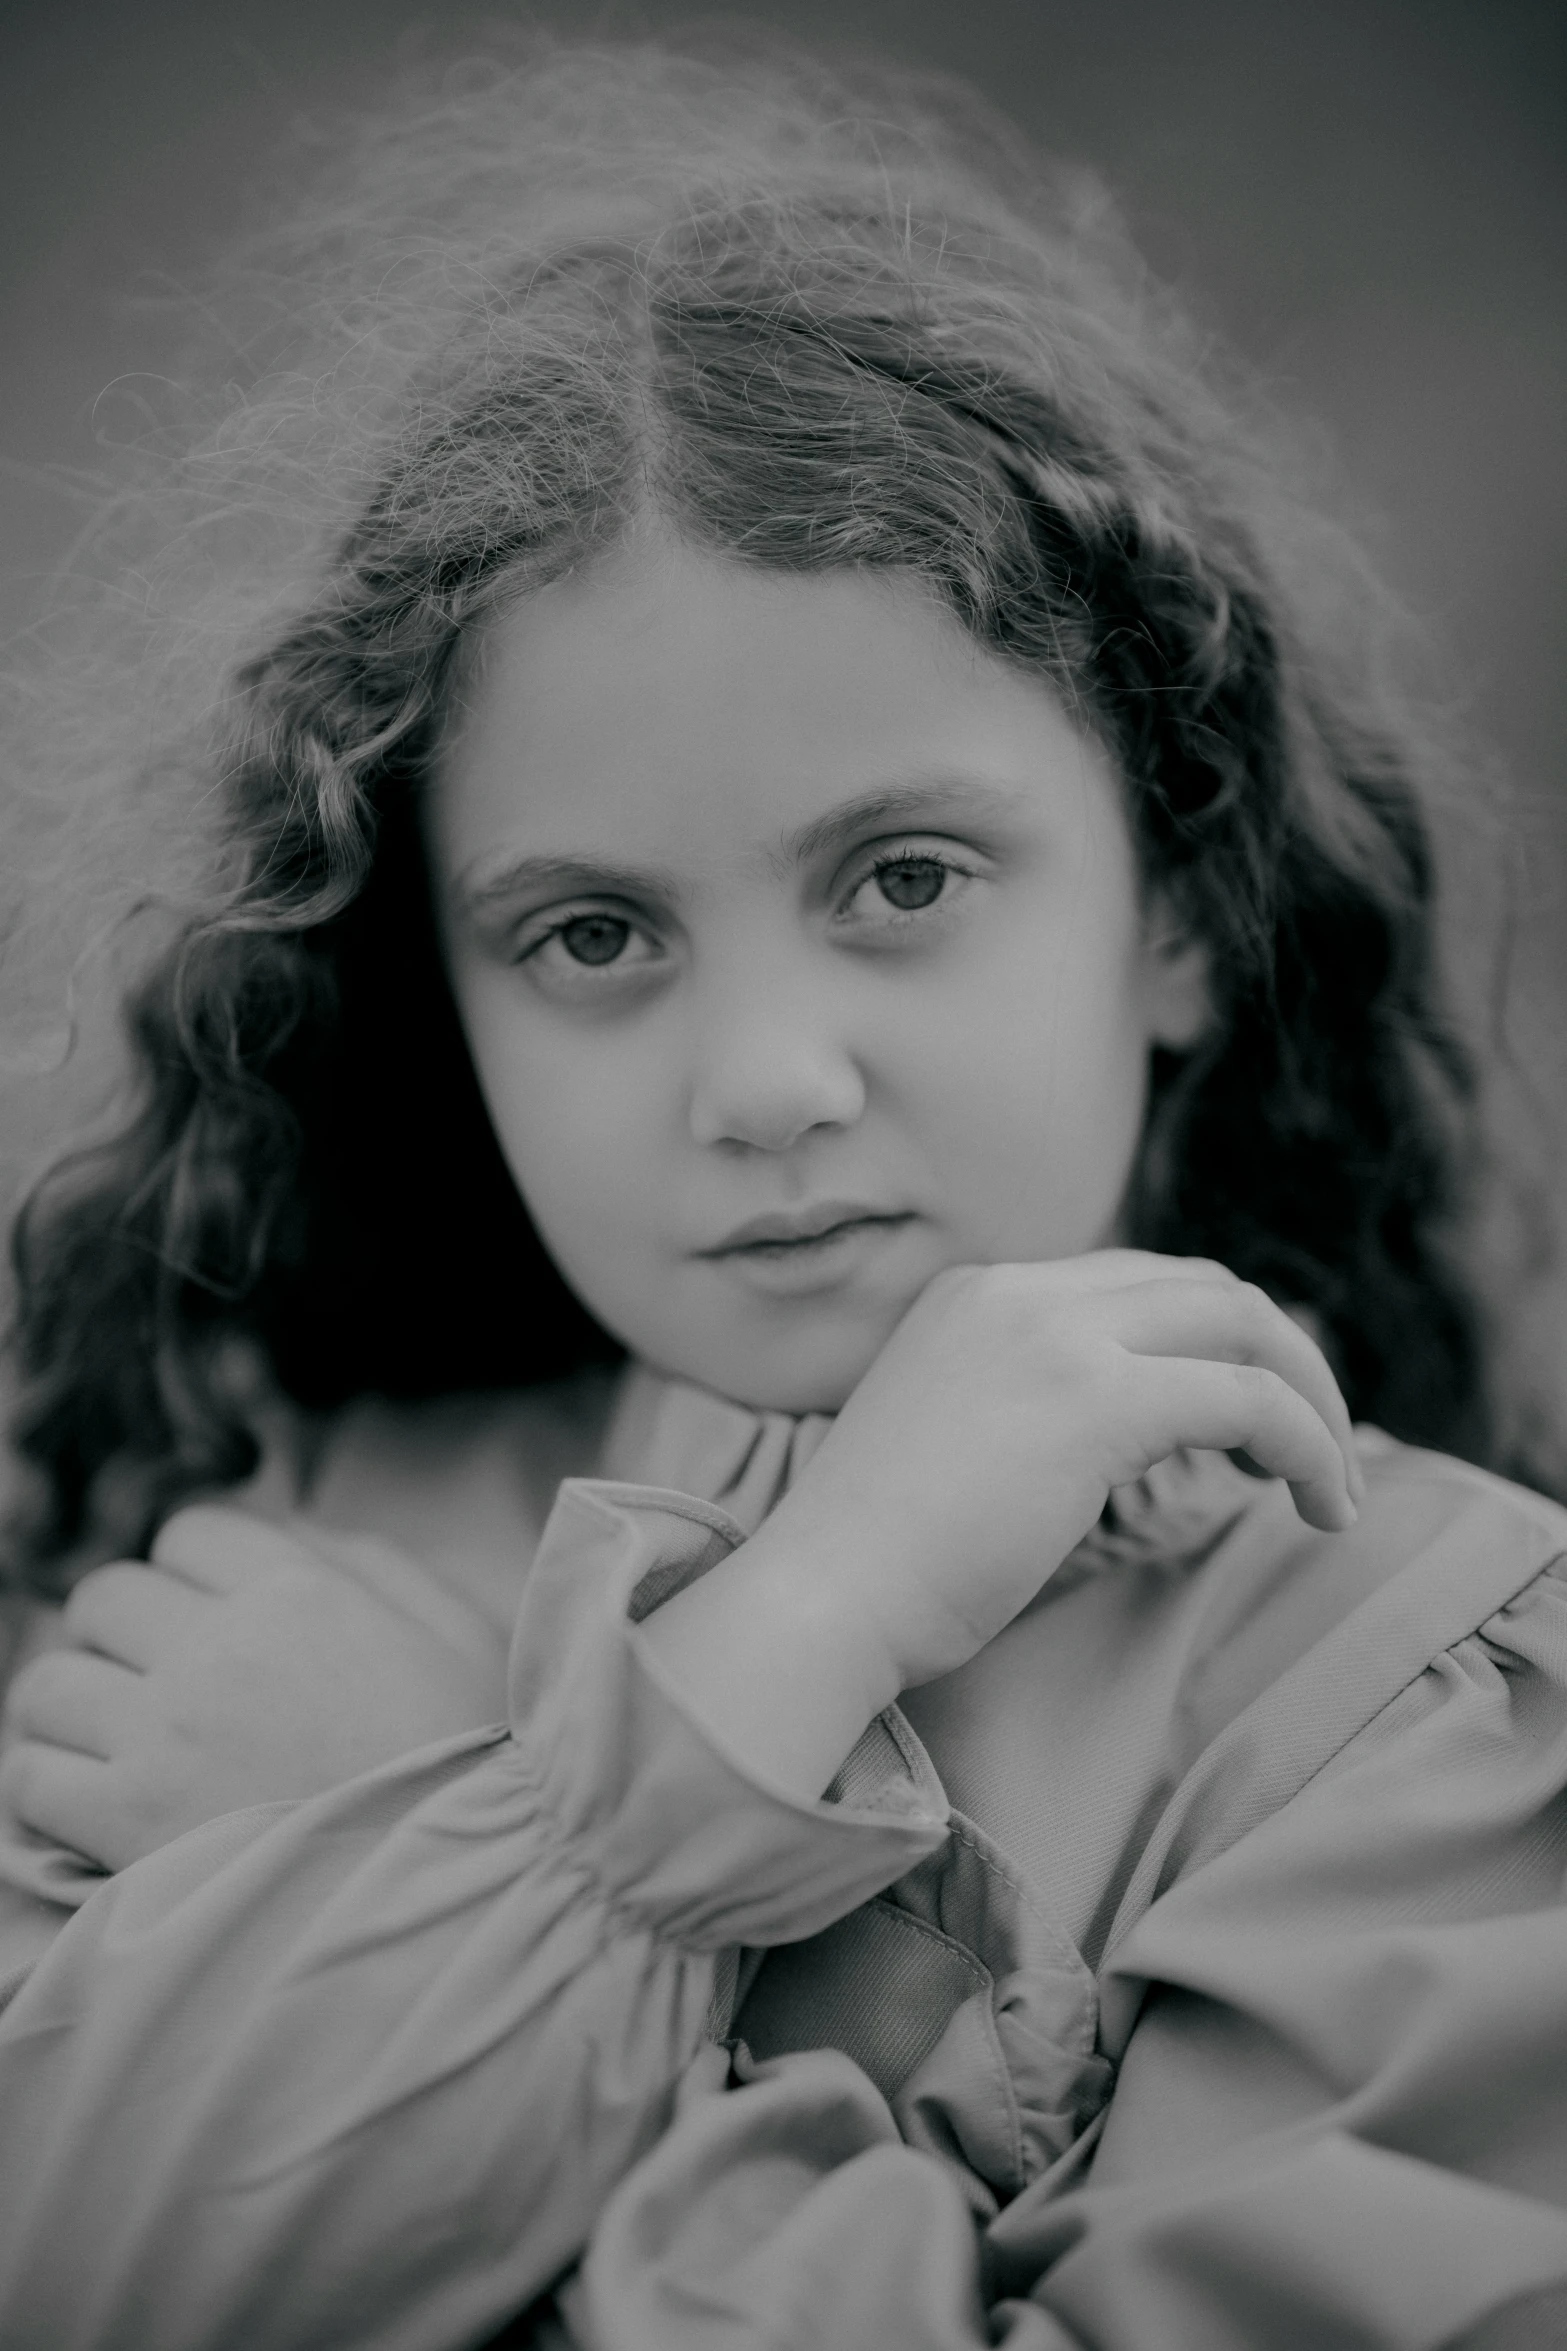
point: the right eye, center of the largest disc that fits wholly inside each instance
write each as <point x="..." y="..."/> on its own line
<point x="586" y="949"/>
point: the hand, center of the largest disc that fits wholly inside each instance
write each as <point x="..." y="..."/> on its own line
<point x="982" y="1443"/>
<point x="975" y="1453"/>
<point x="241" y="1664"/>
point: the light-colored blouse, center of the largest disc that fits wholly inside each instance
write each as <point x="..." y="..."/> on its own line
<point x="1186" y="1973"/>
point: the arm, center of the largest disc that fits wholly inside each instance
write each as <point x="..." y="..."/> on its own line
<point x="1341" y="2107"/>
<point x="1341" y="2092"/>
<point x="364" y="2069"/>
<point x="977" y="1451"/>
<point x="542" y="1916"/>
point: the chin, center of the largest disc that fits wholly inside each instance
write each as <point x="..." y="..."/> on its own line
<point x="794" y="1377"/>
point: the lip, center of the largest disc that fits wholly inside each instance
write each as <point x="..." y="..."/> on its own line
<point x="778" y="1235"/>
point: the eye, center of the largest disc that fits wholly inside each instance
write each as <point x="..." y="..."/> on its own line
<point x="594" y="938"/>
<point x="587" y="949"/>
<point x="903" y="884"/>
<point x="911" y="883"/>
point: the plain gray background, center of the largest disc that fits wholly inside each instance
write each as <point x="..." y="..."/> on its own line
<point x="1366" y="196"/>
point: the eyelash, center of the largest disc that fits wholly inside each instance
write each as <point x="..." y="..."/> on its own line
<point x="894" y="917"/>
<point x="901" y="860"/>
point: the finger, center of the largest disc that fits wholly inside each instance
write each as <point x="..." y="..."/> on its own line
<point x="68" y="1797"/>
<point x="1233" y="1407"/>
<point x="1119" y="1269"/>
<point x="219" y="1549"/>
<point x="272" y="1491"/>
<point x="130" y="1613"/>
<point x="72" y="1698"/>
<point x="1238" y="1323"/>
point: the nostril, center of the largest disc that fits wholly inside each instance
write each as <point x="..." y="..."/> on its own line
<point x="765" y="1102"/>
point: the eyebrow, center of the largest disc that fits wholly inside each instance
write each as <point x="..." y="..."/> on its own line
<point x="492" y="884"/>
<point x="495" y="883"/>
<point x="898" y="808"/>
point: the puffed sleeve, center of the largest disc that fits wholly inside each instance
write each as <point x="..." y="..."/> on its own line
<point x="362" y="2071"/>
<point x="1337" y="2004"/>
<point x="1341" y="2108"/>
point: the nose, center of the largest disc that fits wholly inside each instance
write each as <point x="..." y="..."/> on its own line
<point x="770" y="1070"/>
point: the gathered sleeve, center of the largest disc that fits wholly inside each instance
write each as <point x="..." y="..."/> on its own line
<point x="1341" y="2103"/>
<point x="1337" y="2009"/>
<point x="363" y="2070"/>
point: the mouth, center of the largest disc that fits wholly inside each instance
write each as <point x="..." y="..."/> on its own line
<point x="811" y="1232"/>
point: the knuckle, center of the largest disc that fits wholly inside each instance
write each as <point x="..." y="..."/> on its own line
<point x="202" y="1521"/>
<point x="1261" y="1390"/>
<point x="99" y="1584"/>
<point x="36" y="1690"/>
<point x="81" y="1603"/>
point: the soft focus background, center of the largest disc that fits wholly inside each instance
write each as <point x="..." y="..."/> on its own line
<point x="1366" y="197"/>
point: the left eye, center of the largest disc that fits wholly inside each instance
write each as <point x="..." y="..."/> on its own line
<point x="910" y="883"/>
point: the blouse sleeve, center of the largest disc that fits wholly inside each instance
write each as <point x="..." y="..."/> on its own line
<point x="363" y="2070"/>
<point x="1343" y="2090"/>
<point x="1340" y="2115"/>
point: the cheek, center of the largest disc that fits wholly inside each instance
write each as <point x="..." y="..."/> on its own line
<point x="1033" y="1097"/>
<point x="575" y="1126"/>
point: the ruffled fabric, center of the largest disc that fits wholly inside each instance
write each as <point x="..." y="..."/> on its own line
<point x="686" y="1839"/>
<point x="911" y="2144"/>
<point x="670" y="1433"/>
<point x="960" y="1998"/>
<point x="1226" y="2007"/>
<point x="962" y="2002"/>
<point x="364" y="2070"/>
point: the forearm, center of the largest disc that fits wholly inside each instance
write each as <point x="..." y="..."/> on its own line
<point x="769" y="1655"/>
<point x="388" y="2051"/>
<point x="248" y="2098"/>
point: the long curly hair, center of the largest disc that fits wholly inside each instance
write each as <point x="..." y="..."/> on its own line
<point x="813" y="318"/>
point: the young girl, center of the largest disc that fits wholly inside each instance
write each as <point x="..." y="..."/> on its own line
<point x="817" y="1027"/>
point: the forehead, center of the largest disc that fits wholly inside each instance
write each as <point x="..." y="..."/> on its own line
<point x="667" y="704"/>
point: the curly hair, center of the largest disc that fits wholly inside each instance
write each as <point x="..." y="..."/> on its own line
<point x="811" y="319"/>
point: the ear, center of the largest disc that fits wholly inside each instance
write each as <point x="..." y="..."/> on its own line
<point x="1177" y="976"/>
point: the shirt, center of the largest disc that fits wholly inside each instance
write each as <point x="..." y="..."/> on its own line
<point x="1189" y="1970"/>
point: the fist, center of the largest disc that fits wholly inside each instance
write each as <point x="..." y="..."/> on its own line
<point x="239" y="1665"/>
<point x="983" y="1441"/>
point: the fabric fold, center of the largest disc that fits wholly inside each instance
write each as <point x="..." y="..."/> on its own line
<point x="685" y="1835"/>
<point x="228" y="2073"/>
<point x="386" y="2068"/>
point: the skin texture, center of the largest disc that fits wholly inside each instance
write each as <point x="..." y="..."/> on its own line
<point x="811" y="982"/>
<point x="241" y="1664"/>
<point x="773" y="1034"/>
<point x="775" y="896"/>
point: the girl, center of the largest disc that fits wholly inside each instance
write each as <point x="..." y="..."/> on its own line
<point x="820" y="933"/>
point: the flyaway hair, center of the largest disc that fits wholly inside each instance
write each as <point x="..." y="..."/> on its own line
<point x="810" y="317"/>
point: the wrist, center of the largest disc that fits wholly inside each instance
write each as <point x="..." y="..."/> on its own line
<point x="770" y="1655"/>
